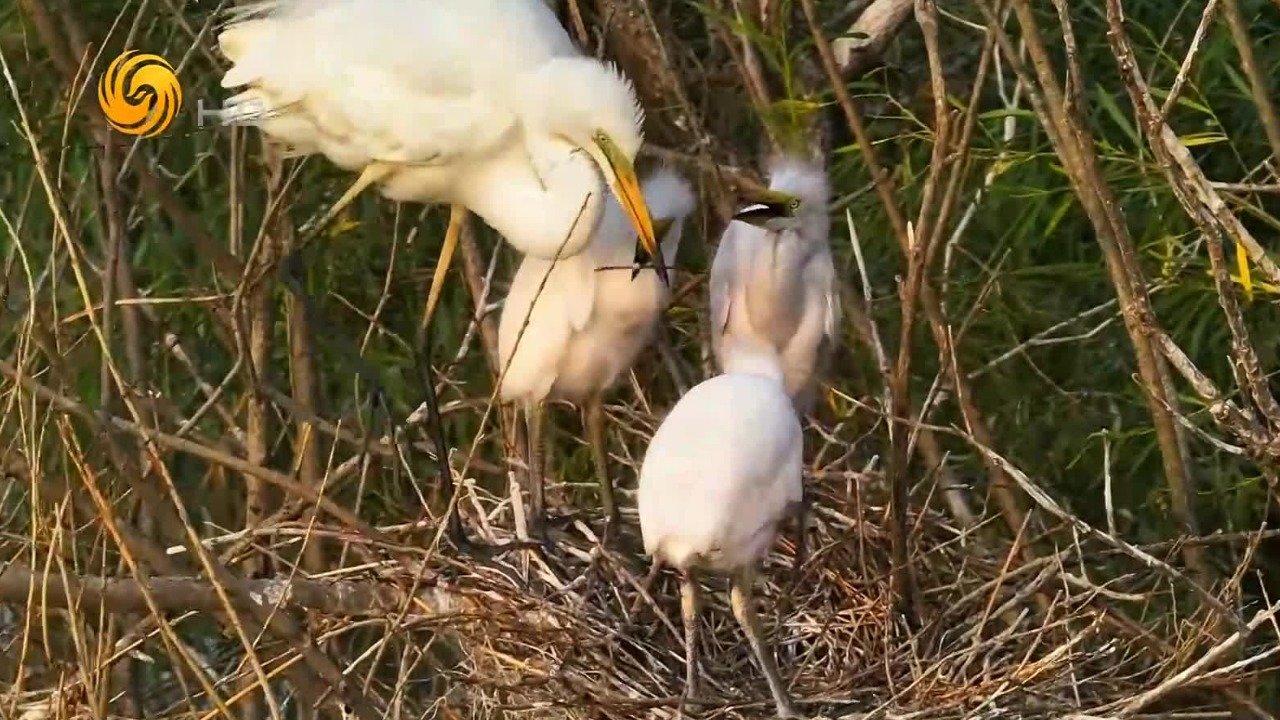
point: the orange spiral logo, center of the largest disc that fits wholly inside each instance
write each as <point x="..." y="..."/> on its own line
<point x="139" y="94"/>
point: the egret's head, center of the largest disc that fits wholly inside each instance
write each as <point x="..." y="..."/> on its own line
<point x="593" y="106"/>
<point x="797" y="199"/>
<point x="773" y="210"/>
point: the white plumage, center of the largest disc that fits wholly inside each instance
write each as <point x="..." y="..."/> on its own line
<point x="775" y="285"/>
<point x="590" y="319"/>
<point x="571" y="327"/>
<point x="484" y="104"/>
<point x="720" y="475"/>
<point x="723" y="470"/>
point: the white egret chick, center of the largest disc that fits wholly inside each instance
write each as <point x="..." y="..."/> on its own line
<point x="773" y="281"/>
<point x="571" y="327"/>
<point x="483" y="104"/>
<point x="721" y="473"/>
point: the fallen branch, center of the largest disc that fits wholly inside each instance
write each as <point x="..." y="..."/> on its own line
<point x="339" y="598"/>
<point x="864" y="43"/>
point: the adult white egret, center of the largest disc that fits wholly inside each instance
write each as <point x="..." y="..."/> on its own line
<point x="722" y="471"/>
<point x="571" y="327"/>
<point x="772" y="279"/>
<point x="483" y="104"/>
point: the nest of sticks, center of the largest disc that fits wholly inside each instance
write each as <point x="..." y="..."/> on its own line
<point x="1000" y="632"/>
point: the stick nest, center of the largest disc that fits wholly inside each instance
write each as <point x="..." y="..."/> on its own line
<point x="573" y="634"/>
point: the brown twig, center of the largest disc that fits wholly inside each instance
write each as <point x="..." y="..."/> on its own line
<point x="184" y="594"/>
<point x="865" y="42"/>
<point x="1258" y="84"/>
<point x="1189" y="187"/>
<point x="70" y="406"/>
<point x="1060" y="113"/>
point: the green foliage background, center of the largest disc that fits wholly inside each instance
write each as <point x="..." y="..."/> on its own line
<point x="1026" y="266"/>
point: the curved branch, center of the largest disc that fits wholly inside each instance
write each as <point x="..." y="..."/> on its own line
<point x="864" y="43"/>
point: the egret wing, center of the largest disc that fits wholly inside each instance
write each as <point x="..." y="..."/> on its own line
<point x="415" y="81"/>
<point x="539" y="317"/>
<point x="724" y="274"/>
<point x="821" y="275"/>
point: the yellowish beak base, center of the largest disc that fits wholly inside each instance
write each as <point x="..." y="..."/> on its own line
<point x="767" y="197"/>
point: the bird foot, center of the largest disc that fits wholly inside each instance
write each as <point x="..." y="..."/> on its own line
<point x="545" y="545"/>
<point x="558" y="520"/>
<point x="692" y="688"/>
<point x="690" y="697"/>
<point x="787" y="710"/>
<point x="540" y="536"/>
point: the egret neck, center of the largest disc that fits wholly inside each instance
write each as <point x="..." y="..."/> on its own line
<point x="579" y="110"/>
<point x="550" y="201"/>
<point x="745" y="357"/>
<point x="774" y="301"/>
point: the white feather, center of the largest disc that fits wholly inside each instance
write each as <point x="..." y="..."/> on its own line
<point x="723" y="469"/>
<point x="776" y="289"/>
<point x="479" y="102"/>
<point x="589" y="319"/>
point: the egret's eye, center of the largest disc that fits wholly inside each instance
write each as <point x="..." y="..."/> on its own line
<point x="794" y="204"/>
<point x="601" y="137"/>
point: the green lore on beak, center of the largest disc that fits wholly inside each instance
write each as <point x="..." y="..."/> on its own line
<point x="766" y="205"/>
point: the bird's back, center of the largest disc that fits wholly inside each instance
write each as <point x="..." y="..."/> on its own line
<point x="398" y="80"/>
<point x="720" y="473"/>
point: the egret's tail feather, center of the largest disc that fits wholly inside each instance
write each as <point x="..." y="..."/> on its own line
<point x="250" y="10"/>
<point x="247" y="108"/>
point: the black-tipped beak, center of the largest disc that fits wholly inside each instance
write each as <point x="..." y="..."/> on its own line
<point x="765" y="205"/>
<point x="642" y="259"/>
<point x="760" y="213"/>
<point x="655" y="261"/>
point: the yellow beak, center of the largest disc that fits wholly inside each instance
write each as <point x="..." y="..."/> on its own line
<point x="626" y="187"/>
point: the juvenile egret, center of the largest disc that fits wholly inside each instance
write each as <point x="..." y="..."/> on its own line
<point x="722" y="471"/>
<point x="772" y="279"/>
<point x="483" y="104"/>
<point x="571" y="327"/>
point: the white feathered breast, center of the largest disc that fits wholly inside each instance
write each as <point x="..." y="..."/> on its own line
<point x="721" y="472"/>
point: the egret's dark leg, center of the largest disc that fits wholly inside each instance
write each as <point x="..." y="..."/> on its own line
<point x="422" y="343"/>
<point x="600" y="458"/>
<point x="535" y="418"/>
<point x="422" y="359"/>
<point x="689" y="613"/>
<point x="422" y="362"/>
<point x="740" y="599"/>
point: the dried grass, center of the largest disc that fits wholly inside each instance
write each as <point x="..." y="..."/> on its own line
<point x="145" y="422"/>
